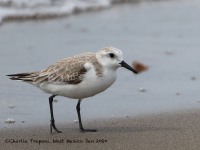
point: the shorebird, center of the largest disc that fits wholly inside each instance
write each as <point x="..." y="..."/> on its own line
<point x="77" y="77"/>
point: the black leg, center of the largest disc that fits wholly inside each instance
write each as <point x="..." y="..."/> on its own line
<point x="52" y="124"/>
<point x="79" y="118"/>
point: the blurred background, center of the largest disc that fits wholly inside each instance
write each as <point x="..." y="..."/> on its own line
<point x="163" y="34"/>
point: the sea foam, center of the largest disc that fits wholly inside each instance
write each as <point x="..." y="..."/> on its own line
<point x="36" y="9"/>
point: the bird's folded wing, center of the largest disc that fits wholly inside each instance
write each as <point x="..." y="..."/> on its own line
<point x="63" y="72"/>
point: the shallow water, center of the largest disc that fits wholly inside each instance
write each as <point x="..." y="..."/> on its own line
<point x="163" y="35"/>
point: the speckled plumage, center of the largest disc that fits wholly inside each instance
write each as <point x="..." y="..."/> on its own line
<point x="66" y="71"/>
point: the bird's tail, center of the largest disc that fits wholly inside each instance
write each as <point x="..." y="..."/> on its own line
<point x="27" y="77"/>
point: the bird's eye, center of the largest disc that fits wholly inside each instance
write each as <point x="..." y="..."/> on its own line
<point x="112" y="55"/>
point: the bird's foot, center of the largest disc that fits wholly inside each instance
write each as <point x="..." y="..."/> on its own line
<point x="52" y="126"/>
<point x="88" y="130"/>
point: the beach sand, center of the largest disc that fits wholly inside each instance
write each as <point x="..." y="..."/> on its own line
<point x="167" y="131"/>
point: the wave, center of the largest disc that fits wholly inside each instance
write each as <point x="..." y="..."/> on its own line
<point x="38" y="9"/>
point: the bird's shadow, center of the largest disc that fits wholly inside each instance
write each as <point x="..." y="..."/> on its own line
<point x="135" y="129"/>
<point x="130" y="129"/>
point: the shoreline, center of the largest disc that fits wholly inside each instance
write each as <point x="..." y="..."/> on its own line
<point x="162" y="35"/>
<point x="177" y="130"/>
<point x="58" y="11"/>
<point x="168" y="88"/>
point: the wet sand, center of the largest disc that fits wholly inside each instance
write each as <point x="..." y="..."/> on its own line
<point x="169" y="46"/>
<point x="167" y="131"/>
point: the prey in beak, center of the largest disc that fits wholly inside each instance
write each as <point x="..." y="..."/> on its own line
<point x="125" y="65"/>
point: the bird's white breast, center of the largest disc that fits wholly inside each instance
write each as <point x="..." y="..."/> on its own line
<point x="90" y="85"/>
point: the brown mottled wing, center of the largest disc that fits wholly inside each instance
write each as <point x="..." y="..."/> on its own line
<point x="70" y="71"/>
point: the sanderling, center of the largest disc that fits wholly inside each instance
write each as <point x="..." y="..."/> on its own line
<point x="77" y="77"/>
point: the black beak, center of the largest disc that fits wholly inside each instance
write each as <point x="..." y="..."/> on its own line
<point x="125" y="65"/>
